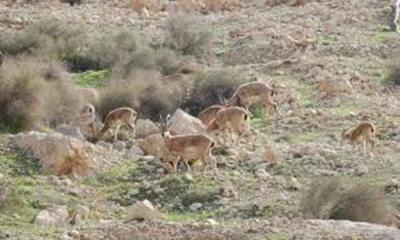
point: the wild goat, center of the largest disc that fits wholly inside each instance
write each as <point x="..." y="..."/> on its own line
<point x="253" y="92"/>
<point x="231" y="119"/>
<point x="208" y="114"/>
<point x="123" y="116"/>
<point x="1" y="57"/>
<point x="364" y="133"/>
<point x="87" y="117"/>
<point x="395" y="15"/>
<point x="186" y="148"/>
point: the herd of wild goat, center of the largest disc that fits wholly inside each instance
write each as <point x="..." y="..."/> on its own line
<point x="231" y="120"/>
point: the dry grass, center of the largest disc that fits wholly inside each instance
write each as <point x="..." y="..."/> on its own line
<point x="335" y="198"/>
<point x="34" y="93"/>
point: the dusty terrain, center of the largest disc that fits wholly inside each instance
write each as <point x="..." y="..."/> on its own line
<point x="342" y="44"/>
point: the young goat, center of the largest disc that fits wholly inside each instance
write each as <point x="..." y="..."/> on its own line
<point x="364" y="133"/>
<point x="123" y="116"/>
<point x="208" y="114"/>
<point x="87" y="117"/>
<point x="232" y="119"/>
<point x="253" y="92"/>
<point x="187" y="148"/>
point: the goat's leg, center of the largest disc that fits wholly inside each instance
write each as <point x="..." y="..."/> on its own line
<point x="365" y="147"/>
<point x="395" y="15"/>
<point x="116" y="133"/>
<point x="187" y="165"/>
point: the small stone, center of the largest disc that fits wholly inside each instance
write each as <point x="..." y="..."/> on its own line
<point x="188" y="177"/>
<point x="144" y="210"/>
<point x="194" y="207"/>
<point x="212" y="221"/>
<point x="74" y="233"/>
<point x="361" y="170"/>
<point x="119" y="145"/>
<point x="294" y="184"/>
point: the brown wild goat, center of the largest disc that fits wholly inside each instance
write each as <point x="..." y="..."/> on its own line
<point x="233" y="120"/>
<point x="123" y="116"/>
<point x="364" y="133"/>
<point x="187" y="148"/>
<point x="253" y="92"/>
<point x="87" y="117"/>
<point x="208" y="114"/>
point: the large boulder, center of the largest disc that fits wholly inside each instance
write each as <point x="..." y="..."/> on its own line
<point x="63" y="155"/>
<point x="71" y="131"/>
<point x="52" y="217"/>
<point x="145" y="127"/>
<point x="184" y="123"/>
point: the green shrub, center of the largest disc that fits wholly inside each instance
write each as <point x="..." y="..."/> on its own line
<point x="335" y="198"/>
<point x="186" y="35"/>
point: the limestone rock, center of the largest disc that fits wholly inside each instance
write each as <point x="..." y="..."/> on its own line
<point x="70" y="131"/>
<point x="145" y="127"/>
<point x="183" y="123"/>
<point x="52" y="217"/>
<point x="144" y="210"/>
<point x="64" y="155"/>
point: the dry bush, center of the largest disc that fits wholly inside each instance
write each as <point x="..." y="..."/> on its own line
<point x="144" y="91"/>
<point x="107" y="50"/>
<point x="334" y="198"/>
<point x="211" y="88"/>
<point x="293" y="3"/>
<point x="393" y="69"/>
<point x="32" y="94"/>
<point x="187" y="35"/>
<point x="219" y="5"/>
<point x="50" y="39"/>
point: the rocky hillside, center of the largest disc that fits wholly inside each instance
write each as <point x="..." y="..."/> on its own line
<point x="330" y="63"/>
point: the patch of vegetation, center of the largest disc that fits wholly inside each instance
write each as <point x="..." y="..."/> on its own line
<point x="337" y="198"/>
<point x="92" y="78"/>
<point x="27" y="196"/>
<point x="347" y="108"/>
<point x="185" y="217"/>
<point x="278" y="236"/>
<point x="304" y="137"/>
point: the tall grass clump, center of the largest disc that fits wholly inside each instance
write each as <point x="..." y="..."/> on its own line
<point x="335" y="198"/>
